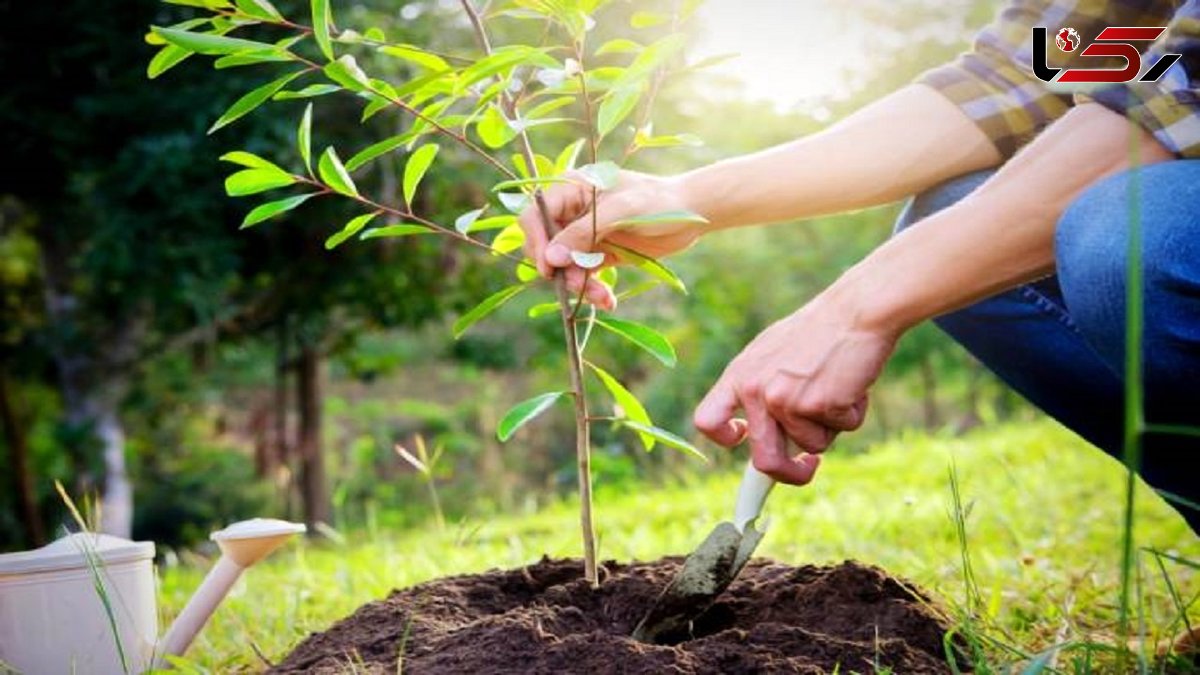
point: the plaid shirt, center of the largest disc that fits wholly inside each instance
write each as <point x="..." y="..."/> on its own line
<point x="995" y="86"/>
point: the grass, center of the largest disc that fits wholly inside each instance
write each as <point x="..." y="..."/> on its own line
<point x="1039" y="510"/>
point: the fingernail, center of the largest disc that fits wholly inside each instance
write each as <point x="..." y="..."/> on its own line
<point x="558" y="255"/>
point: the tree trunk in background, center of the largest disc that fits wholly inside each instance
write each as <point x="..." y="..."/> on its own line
<point x="116" y="515"/>
<point x="285" y="479"/>
<point x="933" y="418"/>
<point x="313" y="490"/>
<point x="18" y="452"/>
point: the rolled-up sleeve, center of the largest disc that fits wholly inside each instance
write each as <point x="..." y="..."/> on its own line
<point x="1169" y="108"/>
<point x="993" y="83"/>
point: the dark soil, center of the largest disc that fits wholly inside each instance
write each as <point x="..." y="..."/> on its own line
<point x="545" y="619"/>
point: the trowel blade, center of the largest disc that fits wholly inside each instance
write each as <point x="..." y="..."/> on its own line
<point x="704" y="575"/>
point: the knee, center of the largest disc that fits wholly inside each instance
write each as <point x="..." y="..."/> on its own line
<point x="939" y="197"/>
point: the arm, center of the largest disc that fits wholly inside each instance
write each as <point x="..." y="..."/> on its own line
<point x="807" y="377"/>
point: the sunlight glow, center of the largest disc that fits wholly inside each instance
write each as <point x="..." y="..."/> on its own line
<point x="792" y="53"/>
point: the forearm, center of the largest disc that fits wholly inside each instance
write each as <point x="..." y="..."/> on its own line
<point x="1001" y="235"/>
<point x="903" y="144"/>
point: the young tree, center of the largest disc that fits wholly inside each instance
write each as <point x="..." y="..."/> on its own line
<point x="491" y="105"/>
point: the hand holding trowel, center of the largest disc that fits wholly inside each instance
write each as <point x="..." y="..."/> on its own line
<point x="709" y="570"/>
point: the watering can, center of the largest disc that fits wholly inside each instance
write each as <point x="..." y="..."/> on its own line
<point x="54" y="618"/>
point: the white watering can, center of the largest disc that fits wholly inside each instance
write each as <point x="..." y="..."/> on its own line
<point x="53" y="619"/>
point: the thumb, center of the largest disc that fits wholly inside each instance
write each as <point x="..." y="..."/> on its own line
<point x="583" y="235"/>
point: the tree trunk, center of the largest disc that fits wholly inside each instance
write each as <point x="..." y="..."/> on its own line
<point x="313" y="490"/>
<point x="116" y="515"/>
<point x="933" y="418"/>
<point x="18" y="451"/>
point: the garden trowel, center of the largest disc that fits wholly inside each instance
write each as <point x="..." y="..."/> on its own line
<point x="709" y="570"/>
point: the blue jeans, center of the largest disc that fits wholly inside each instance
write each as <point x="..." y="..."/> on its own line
<point x="1060" y="341"/>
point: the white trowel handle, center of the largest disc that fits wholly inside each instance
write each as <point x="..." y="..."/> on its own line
<point x="752" y="494"/>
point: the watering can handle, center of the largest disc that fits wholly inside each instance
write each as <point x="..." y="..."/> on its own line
<point x="752" y="494"/>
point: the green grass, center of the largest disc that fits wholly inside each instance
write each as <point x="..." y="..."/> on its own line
<point x="1042" y="515"/>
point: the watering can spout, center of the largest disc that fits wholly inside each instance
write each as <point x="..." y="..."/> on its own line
<point x="242" y="545"/>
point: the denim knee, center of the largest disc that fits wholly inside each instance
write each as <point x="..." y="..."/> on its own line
<point x="939" y="197"/>
<point x="1092" y="257"/>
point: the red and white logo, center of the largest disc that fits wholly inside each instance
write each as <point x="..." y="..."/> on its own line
<point x="1067" y="40"/>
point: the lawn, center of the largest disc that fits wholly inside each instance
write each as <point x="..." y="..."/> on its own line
<point x="1043" y="531"/>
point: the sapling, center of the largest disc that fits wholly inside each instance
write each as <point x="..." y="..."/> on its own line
<point x="426" y="464"/>
<point x="487" y="105"/>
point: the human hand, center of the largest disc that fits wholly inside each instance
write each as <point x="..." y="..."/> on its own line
<point x="569" y="207"/>
<point x="804" y="379"/>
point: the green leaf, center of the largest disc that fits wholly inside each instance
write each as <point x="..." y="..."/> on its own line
<point x="651" y="266"/>
<point x="489" y="305"/>
<point x="272" y="209"/>
<point x="157" y="40"/>
<point x="393" y="231"/>
<point x="648" y="19"/>
<point x="377" y="150"/>
<point x="493" y="128"/>
<point x="304" y="137"/>
<point x="252" y="100"/>
<point x="260" y="9"/>
<point x="619" y="46"/>
<point x="416" y="168"/>
<point x="522" y="413"/>
<point x="527" y="182"/>
<point x="417" y="56"/>
<point x="616" y="107"/>
<point x="502" y="59"/>
<point x="663" y="217"/>
<point x="550" y="106"/>
<point x="249" y="160"/>
<point x="334" y="174"/>
<point x="209" y="43"/>
<point x="510" y="239"/>
<point x="350" y="229"/>
<point x="165" y="59"/>
<point x="308" y="92"/>
<point x="527" y="271"/>
<point x="569" y="156"/>
<point x="321" y="18"/>
<point x="346" y="72"/>
<point x="249" y="59"/>
<point x="493" y="223"/>
<point x="603" y="175"/>
<point x="643" y="140"/>
<point x="643" y="336"/>
<point x="253" y="181"/>
<point x="631" y="407"/>
<point x="665" y="437"/>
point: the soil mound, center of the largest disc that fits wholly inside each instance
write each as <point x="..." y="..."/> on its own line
<point x="545" y="619"/>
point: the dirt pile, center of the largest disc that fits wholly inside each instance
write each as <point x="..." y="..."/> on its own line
<point x="545" y="619"/>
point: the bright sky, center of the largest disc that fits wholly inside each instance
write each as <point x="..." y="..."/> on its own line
<point x="790" y="51"/>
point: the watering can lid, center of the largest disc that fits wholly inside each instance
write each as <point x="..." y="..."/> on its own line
<point x="69" y="552"/>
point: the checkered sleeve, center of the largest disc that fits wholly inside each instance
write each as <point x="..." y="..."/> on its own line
<point x="1170" y="107"/>
<point x="993" y="83"/>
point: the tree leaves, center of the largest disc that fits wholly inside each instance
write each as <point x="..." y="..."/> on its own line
<point x="252" y="100"/>
<point x="272" y="209"/>
<point x="493" y="128"/>
<point x="665" y="437"/>
<point x="417" y="56"/>
<point x="259" y="9"/>
<point x="349" y="230"/>
<point x="249" y="160"/>
<point x="209" y="43"/>
<point x="645" y="337"/>
<point x="377" y="150"/>
<point x="416" y="168"/>
<point x="588" y="261"/>
<point x="630" y="407"/>
<point x="463" y="223"/>
<point x="393" y="231"/>
<point x="253" y="181"/>
<point x="489" y="305"/>
<point x="334" y="174"/>
<point x="680" y="216"/>
<point x="321" y="18"/>
<point x="651" y="266"/>
<point x="304" y="137"/>
<point x="522" y="413"/>
<point x="616" y="107"/>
